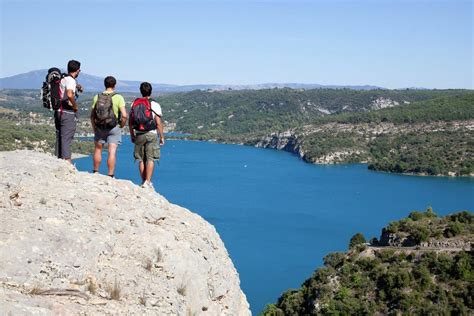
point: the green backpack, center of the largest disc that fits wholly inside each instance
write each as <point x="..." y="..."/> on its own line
<point x="104" y="113"/>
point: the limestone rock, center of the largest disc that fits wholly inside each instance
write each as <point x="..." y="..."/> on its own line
<point x="77" y="243"/>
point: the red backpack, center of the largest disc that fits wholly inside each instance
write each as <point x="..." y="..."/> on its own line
<point x="141" y="115"/>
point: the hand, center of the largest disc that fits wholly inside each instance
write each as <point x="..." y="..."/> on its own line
<point x="123" y="121"/>
<point x="79" y="88"/>
<point x="162" y="141"/>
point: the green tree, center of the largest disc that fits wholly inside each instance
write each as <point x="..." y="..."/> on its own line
<point x="357" y="239"/>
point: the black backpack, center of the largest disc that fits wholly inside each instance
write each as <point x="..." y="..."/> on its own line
<point x="104" y="116"/>
<point x="141" y="115"/>
<point x="50" y="92"/>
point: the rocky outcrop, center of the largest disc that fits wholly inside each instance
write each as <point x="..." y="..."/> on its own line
<point x="388" y="239"/>
<point x="402" y="239"/>
<point x="382" y="103"/>
<point x="448" y="244"/>
<point x="296" y="140"/>
<point x="77" y="243"/>
<point x="286" y="141"/>
<point x="291" y="142"/>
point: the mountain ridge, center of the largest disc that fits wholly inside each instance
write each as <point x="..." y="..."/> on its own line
<point x="34" y="79"/>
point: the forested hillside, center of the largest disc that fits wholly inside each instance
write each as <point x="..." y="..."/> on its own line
<point x="241" y="114"/>
<point x="410" y="131"/>
<point x="432" y="137"/>
<point x="422" y="265"/>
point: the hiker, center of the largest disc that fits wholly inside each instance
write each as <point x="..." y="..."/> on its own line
<point x="65" y="118"/>
<point x="144" y="123"/>
<point x="108" y="116"/>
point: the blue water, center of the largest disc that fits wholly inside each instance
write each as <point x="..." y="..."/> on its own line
<point x="279" y="216"/>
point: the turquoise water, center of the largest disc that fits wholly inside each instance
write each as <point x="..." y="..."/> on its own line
<point x="279" y="216"/>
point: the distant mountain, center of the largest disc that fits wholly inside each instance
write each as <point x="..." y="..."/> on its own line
<point x="34" y="80"/>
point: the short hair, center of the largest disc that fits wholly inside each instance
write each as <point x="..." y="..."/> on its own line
<point x="110" y="82"/>
<point x="73" y="66"/>
<point x="145" y="89"/>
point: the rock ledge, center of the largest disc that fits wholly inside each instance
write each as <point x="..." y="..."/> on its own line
<point x="78" y="243"/>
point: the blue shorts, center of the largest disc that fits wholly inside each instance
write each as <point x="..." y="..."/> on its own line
<point x="108" y="136"/>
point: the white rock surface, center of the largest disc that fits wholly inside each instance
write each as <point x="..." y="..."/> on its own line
<point x="68" y="237"/>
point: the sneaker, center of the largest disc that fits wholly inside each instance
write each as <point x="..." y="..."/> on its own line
<point x="147" y="185"/>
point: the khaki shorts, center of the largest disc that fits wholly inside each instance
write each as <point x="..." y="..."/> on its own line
<point x="146" y="147"/>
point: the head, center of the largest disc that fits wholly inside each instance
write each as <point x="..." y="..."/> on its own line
<point x="145" y="89"/>
<point x="73" y="68"/>
<point x="110" y="82"/>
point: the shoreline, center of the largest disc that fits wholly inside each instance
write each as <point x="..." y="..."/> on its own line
<point x="185" y="138"/>
<point x="75" y="156"/>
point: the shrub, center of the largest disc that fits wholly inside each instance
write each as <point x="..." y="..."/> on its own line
<point x="334" y="259"/>
<point x="453" y="229"/>
<point x="357" y="239"/>
<point x="415" y="215"/>
<point x="271" y="310"/>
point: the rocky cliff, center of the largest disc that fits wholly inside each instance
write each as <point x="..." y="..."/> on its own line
<point x="287" y="141"/>
<point x="78" y="243"/>
<point x="445" y="149"/>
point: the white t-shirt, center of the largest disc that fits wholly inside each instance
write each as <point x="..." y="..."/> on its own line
<point x="156" y="108"/>
<point x="67" y="83"/>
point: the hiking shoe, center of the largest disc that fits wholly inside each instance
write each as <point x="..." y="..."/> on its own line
<point x="147" y="185"/>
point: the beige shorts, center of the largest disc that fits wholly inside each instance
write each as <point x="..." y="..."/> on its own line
<point x="146" y="147"/>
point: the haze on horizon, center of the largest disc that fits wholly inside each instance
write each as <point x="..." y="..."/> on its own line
<point x="393" y="44"/>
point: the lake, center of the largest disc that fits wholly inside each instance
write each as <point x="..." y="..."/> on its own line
<point x="277" y="215"/>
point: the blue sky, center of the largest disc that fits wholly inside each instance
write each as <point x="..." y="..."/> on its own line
<point x="392" y="44"/>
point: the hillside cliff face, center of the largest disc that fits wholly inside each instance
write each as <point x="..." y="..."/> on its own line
<point x="78" y="243"/>
<point x="385" y="146"/>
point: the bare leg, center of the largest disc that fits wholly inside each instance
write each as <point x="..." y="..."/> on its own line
<point x="97" y="155"/>
<point x="141" y="168"/>
<point x="112" y="158"/>
<point x="149" y="170"/>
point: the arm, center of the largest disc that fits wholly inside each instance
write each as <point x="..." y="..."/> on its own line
<point x="123" y="112"/>
<point x="123" y="117"/>
<point x="132" y="131"/>
<point x="94" y="101"/>
<point x="71" y="97"/>
<point x="159" y="129"/>
<point x="93" y="119"/>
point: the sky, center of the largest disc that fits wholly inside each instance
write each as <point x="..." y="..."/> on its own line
<point x="387" y="43"/>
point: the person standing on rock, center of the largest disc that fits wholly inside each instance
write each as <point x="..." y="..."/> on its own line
<point x="145" y="125"/>
<point x="108" y="116"/>
<point x="65" y="118"/>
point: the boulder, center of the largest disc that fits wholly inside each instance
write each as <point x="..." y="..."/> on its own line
<point x="78" y="243"/>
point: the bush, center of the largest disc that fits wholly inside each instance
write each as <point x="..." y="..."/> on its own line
<point x="334" y="259"/>
<point x="271" y="310"/>
<point x="452" y="230"/>
<point x="415" y="215"/>
<point x="357" y="239"/>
